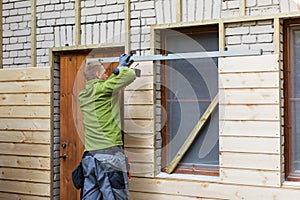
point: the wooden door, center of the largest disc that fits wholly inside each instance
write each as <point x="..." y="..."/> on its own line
<point x="72" y="81"/>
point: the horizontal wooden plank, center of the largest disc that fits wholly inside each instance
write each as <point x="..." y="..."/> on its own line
<point x="25" y="136"/>
<point x="25" y="86"/>
<point x="250" y="128"/>
<point x="249" y="80"/>
<point x="147" y="196"/>
<point x="210" y="190"/>
<point x="140" y="155"/>
<point x="250" y="112"/>
<point x="25" y="162"/>
<point x="139" y="97"/>
<point x="25" y="149"/>
<point x="139" y="126"/>
<point x="139" y="111"/>
<point x="25" y="111"/>
<point x="13" y="196"/>
<point x="25" y="99"/>
<point x="41" y="189"/>
<point x="250" y="144"/>
<point x="25" y="124"/>
<point x="141" y="83"/>
<point x="249" y="96"/>
<point x="250" y="161"/>
<point x="146" y="67"/>
<point x="261" y="63"/>
<point x="32" y="73"/>
<point x="142" y="169"/>
<point x="139" y="140"/>
<point x="30" y="175"/>
<point x="251" y="177"/>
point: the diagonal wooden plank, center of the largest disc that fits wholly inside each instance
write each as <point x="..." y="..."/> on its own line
<point x="192" y="135"/>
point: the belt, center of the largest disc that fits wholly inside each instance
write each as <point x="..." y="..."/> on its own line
<point x="111" y="150"/>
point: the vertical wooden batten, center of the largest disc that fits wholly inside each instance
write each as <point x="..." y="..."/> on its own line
<point x="276" y="35"/>
<point x="1" y="43"/>
<point x="221" y="36"/>
<point x="178" y="11"/>
<point x="77" y="22"/>
<point x="242" y="8"/>
<point x="33" y="33"/>
<point x="127" y="26"/>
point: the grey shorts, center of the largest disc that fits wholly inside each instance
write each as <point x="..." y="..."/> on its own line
<point x="105" y="177"/>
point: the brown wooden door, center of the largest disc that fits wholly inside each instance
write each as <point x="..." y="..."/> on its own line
<point x="72" y="81"/>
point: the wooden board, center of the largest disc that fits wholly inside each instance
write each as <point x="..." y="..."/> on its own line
<point x="25" y="111"/>
<point x="26" y="86"/>
<point x="41" y="189"/>
<point x="25" y="162"/>
<point x="139" y="97"/>
<point x="137" y="140"/>
<point x="11" y="196"/>
<point x="41" y="137"/>
<point x="29" y="175"/>
<point x="139" y="112"/>
<point x="25" y="149"/>
<point x="139" y="126"/>
<point x="31" y="73"/>
<point x="25" y="124"/>
<point x="25" y="99"/>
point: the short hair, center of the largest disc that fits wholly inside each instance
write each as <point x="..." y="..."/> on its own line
<point x="91" y="68"/>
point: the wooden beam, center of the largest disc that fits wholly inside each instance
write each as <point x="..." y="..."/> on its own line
<point x="33" y="33"/>
<point x="77" y="22"/>
<point x="277" y="35"/>
<point x="178" y="11"/>
<point x="1" y="35"/>
<point x="242" y="8"/>
<point x="193" y="135"/>
<point x="221" y="36"/>
<point x="127" y="26"/>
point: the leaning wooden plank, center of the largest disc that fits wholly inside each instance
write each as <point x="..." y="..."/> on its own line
<point x="25" y="162"/>
<point x="12" y="196"/>
<point x="25" y="124"/>
<point x="25" y="111"/>
<point x="250" y="177"/>
<point x="25" y="99"/>
<point x="40" y="189"/>
<point x="25" y="86"/>
<point x="41" y="137"/>
<point x="192" y="135"/>
<point x="33" y="73"/>
<point x="30" y="175"/>
<point x="25" y="149"/>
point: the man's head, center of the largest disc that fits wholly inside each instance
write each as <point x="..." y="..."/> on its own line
<point x="94" y="70"/>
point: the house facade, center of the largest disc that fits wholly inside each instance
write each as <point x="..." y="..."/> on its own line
<point x="221" y="125"/>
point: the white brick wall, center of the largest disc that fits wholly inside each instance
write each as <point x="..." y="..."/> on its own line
<point x="250" y="35"/>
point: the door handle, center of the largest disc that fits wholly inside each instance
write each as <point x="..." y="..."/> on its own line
<point x="64" y="156"/>
<point x="64" y="145"/>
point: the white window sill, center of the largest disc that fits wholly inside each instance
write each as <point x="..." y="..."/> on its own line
<point x="189" y="177"/>
<point x="291" y="184"/>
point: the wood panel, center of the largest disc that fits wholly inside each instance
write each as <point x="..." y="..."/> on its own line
<point x="139" y="111"/>
<point x="10" y="196"/>
<point x="139" y="126"/>
<point x="138" y="97"/>
<point x="142" y="169"/>
<point x="25" y="99"/>
<point x="250" y="127"/>
<point x="137" y="140"/>
<point x="211" y="189"/>
<point x="147" y="196"/>
<point x="140" y="155"/>
<point x="25" y="136"/>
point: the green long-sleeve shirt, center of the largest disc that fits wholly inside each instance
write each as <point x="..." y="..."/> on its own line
<point x="99" y="103"/>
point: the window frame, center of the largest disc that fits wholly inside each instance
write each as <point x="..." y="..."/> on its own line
<point x="196" y="170"/>
<point x="288" y="87"/>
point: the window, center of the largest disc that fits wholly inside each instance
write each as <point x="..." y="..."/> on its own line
<point x="188" y="89"/>
<point x="292" y="99"/>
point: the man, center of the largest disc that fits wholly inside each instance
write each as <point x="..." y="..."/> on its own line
<point x="104" y="162"/>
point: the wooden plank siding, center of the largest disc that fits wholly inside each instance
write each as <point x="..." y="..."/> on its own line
<point x="250" y="126"/>
<point x="139" y="123"/>
<point x="25" y="133"/>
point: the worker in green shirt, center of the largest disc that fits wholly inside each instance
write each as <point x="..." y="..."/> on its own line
<point x="104" y="163"/>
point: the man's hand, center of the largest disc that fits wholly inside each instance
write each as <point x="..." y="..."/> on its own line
<point x="125" y="61"/>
